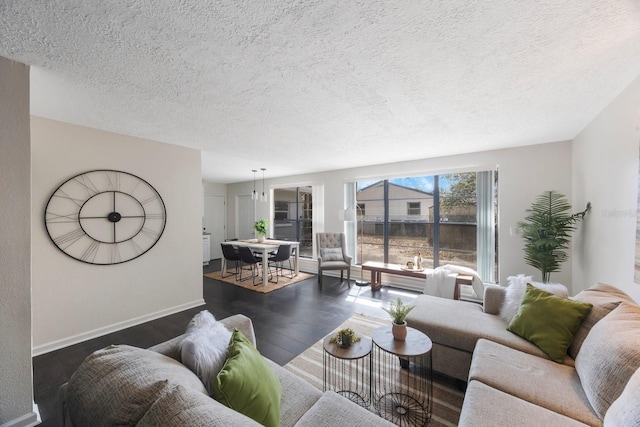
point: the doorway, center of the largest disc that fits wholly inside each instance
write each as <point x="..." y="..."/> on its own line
<point x="214" y="222"/>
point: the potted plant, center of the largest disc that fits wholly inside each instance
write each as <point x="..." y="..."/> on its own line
<point x="546" y="231"/>
<point x="261" y="228"/>
<point x="398" y="312"/>
<point x="345" y="337"/>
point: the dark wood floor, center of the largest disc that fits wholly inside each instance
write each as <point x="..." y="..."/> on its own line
<point x="286" y="321"/>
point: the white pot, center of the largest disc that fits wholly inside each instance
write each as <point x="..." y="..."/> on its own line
<point x="399" y="331"/>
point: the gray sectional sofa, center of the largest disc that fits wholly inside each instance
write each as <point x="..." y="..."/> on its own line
<point x="511" y="381"/>
<point x="122" y="385"/>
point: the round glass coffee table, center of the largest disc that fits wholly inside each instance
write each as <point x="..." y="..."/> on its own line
<point x="347" y="371"/>
<point x="402" y="383"/>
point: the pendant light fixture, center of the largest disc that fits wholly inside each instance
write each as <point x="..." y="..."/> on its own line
<point x="254" y="195"/>
<point x="263" y="196"/>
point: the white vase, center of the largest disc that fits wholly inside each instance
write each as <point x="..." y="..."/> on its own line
<point x="399" y="331"/>
<point x="260" y="238"/>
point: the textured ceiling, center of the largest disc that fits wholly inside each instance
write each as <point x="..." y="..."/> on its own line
<point x="305" y="86"/>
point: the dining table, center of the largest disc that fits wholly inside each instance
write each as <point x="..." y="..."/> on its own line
<point x="264" y="247"/>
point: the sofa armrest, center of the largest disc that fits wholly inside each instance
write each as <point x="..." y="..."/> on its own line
<point x="171" y="348"/>
<point x="493" y="299"/>
<point x="243" y="324"/>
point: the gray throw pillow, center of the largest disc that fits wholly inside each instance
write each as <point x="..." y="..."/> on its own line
<point x="331" y="254"/>
<point x="605" y="298"/>
<point x="609" y="356"/>
<point x="118" y="384"/>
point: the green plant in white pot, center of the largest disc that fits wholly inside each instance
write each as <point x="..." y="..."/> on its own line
<point x="546" y="231"/>
<point x="261" y="228"/>
<point x="398" y="312"/>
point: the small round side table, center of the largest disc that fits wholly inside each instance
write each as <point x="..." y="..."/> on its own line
<point x="402" y="380"/>
<point x="347" y="371"/>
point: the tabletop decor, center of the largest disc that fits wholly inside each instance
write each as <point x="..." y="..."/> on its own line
<point x="398" y="312"/>
<point x="447" y="398"/>
<point x="261" y="228"/>
<point x="345" y="337"/>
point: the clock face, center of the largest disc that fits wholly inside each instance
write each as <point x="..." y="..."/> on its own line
<point x="105" y="217"/>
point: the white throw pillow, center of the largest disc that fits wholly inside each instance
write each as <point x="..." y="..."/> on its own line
<point x="515" y="291"/>
<point x="204" y="347"/>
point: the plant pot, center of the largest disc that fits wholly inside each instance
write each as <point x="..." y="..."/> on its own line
<point x="345" y="341"/>
<point x="399" y="331"/>
<point x="260" y="238"/>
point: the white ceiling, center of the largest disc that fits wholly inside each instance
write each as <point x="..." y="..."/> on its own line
<point x="306" y="86"/>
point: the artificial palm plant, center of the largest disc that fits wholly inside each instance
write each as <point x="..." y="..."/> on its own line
<point x="547" y="232"/>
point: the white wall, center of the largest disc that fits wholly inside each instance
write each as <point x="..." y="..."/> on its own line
<point x="605" y="172"/>
<point x="524" y="173"/>
<point x="16" y="382"/>
<point x="73" y="301"/>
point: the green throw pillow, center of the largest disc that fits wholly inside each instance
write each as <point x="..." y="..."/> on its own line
<point x="247" y="384"/>
<point x="548" y="321"/>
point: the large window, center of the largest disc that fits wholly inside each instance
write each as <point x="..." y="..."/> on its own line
<point x="448" y="219"/>
<point x="293" y="215"/>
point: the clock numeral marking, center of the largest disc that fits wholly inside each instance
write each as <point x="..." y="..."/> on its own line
<point x="149" y="200"/>
<point x="149" y="232"/>
<point x="135" y="187"/>
<point x="54" y="218"/>
<point x="115" y="254"/>
<point x="155" y="216"/>
<point x="114" y="180"/>
<point x="69" y="238"/>
<point x="90" y="253"/>
<point x="63" y="195"/>
<point x="88" y="185"/>
<point x="136" y="247"/>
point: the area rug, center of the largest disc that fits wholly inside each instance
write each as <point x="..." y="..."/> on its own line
<point x="447" y="399"/>
<point x="259" y="287"/>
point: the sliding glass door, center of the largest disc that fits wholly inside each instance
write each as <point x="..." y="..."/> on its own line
<point x="293" y="216"/>
<point x="447" y="219"/>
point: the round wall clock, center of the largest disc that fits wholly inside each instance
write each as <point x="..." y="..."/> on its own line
<point x="105" y="217"/>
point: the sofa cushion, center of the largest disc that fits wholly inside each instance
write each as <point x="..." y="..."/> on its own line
<point x="459" y="324"/>
<point x="178" y="406"/>
<point x="609" y="356"/>
<point x="605" y="298"/>
<point x="548" y="321"/>
<point x="486" y="406"/>
<point x="247" y="384"/>
<point x="625" y="411"/>
<point x="335" y="410"/>
<point x="539" y="381"/>
<point x="118" y="384"/>
<point x="298" y="396"/>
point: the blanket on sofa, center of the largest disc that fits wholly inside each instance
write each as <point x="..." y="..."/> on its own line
<point x="442" y="281"/>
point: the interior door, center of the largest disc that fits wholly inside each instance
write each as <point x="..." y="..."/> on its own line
<point x="245" y="217"/>
<point x="215" y="222"/>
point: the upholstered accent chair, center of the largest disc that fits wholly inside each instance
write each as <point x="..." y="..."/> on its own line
<point x="332" y="255"/>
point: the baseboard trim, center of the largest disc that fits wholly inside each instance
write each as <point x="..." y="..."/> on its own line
<point x="27" y="420"/>
<point x="75" y="339"/>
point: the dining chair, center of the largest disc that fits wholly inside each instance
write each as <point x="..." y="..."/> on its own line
<point x="278" y="259"/>
<point x="247" y="258"/>
<point x="332" y="255"/>
<point x="230" y="254"/>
